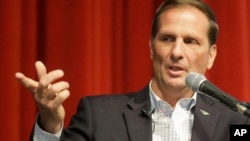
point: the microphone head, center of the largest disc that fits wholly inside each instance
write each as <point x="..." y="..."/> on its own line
<point x="194" y="80"/>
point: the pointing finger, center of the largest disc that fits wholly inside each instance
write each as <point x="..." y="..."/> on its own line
<point x="26" y="82"/>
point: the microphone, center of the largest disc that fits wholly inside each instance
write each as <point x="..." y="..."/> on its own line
<point x="198" y="83"/>
<point x="148" y="113"/>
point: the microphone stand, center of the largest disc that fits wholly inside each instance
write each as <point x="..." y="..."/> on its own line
<point x="232" y="102"/>
<point x="243" y="108"/>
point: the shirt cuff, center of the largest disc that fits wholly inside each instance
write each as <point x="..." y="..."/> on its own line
<point x="41" y="135"/>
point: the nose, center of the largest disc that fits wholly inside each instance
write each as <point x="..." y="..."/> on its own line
<point x="176" y="51"/>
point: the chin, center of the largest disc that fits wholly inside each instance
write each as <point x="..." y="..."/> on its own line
<point x="176" y="83"/>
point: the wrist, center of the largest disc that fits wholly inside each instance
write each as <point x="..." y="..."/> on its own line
<point x="49" y="125"/>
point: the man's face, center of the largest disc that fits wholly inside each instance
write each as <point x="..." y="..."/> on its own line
<point x="181" y="46"/>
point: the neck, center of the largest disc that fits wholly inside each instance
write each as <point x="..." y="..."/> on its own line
<point x="171" y="94"/>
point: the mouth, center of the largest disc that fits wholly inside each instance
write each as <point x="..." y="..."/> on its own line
<point x="175" y="70"/>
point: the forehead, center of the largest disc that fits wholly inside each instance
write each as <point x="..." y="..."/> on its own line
<point x="186" y="17"/>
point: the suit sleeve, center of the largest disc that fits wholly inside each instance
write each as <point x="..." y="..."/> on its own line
<point x="80" y="127"/>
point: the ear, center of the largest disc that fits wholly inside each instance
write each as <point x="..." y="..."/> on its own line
<point x="151" y="49"/>
<point x="212" y="56"/>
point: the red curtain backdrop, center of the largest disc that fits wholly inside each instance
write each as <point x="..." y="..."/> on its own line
<point x="102" y="46"/>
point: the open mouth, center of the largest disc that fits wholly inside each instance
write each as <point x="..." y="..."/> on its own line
<point x="175" y="68"/>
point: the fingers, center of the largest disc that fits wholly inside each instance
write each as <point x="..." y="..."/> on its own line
<point x="60" y="97"/>
<point x="48" y="91"/>
<point x="60" y="86"/>
<point x="53" y="90"/>
<point x="48" y="94"/>
<point x="49" y="78"/>
<point x="40" y="69"/>
<point x="26" y="82"/>
<point x="53" y="98"/>
<point x="45" y="79"/>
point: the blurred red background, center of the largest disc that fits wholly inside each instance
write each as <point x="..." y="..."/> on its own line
<point x="102" y="46"/>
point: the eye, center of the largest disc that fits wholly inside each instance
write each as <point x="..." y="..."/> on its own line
<point x="191" y="41"/>
<point x="167" y="38"/>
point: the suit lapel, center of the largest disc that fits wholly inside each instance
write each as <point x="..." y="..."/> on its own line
<point x="205" y="119"/>
<point x="139" y="126"/>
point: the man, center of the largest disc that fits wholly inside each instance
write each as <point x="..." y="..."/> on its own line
<point x="183" y="40"/>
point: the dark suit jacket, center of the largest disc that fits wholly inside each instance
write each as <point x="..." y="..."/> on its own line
<point x="120" y="118"/>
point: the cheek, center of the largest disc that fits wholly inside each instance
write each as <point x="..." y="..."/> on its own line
<point x="198" y="63"/>
<point x="158" y="59"/>
<point x="159" y="54"/>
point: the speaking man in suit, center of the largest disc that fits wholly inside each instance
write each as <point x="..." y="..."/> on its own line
<point x="183" y="40"/>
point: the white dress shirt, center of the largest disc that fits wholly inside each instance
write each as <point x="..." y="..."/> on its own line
<point x="172" y="124"/>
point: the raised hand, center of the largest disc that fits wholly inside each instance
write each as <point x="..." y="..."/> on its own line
<point x="48" y="94"/>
